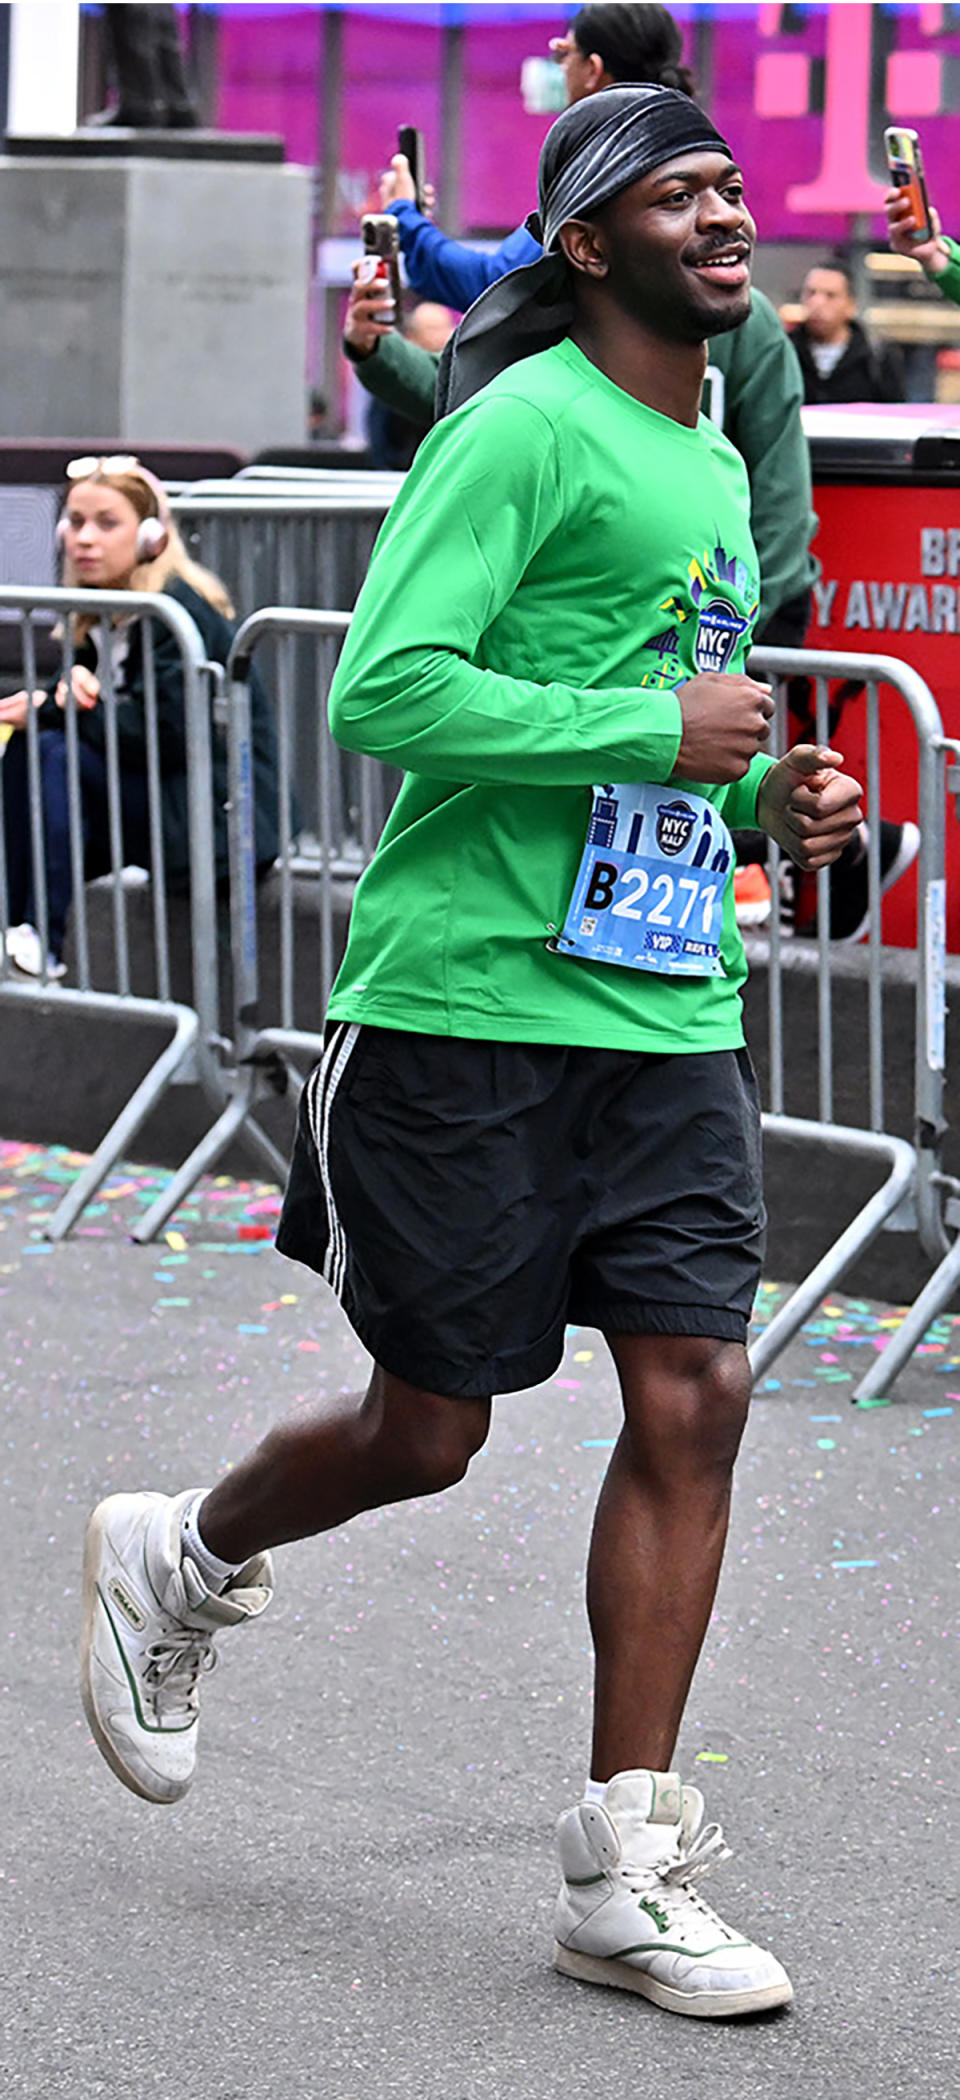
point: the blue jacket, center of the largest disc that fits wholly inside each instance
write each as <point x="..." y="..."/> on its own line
<point x="442" y="269"/>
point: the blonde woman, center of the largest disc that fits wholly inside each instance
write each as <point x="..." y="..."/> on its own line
<point x="117" y="534"/>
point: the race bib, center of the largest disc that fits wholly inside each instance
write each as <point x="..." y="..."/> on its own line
<point x="649" y="889"/>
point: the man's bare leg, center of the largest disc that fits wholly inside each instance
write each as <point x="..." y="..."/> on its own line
<point x="658" y="1539"/>
<point x="630" y="1911"/>
<point x="163" y="1575"/>
<point x="353" y="1453"/>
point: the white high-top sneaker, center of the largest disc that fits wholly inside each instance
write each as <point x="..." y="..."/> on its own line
<point x="629" y="1912"/>
<point x="148" y="1630"/>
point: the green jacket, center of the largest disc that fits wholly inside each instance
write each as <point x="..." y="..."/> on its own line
<point x="754" y="391"/>
<point x="949" y="281"/>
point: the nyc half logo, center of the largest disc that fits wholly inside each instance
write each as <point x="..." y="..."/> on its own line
<point x="724" y="616"/>
<point x="719" y="628"/>
<point x="675" y="824"/>
<point x="722" y="598"/>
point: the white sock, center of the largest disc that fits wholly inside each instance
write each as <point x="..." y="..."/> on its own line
<point x="216" y="1573"/>
<point x="595" y="1790"/>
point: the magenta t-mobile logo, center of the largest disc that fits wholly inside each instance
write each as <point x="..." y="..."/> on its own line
<point x="863" y="85"/>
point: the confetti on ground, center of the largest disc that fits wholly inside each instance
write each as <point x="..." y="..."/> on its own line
<point x="230" y="1217"/>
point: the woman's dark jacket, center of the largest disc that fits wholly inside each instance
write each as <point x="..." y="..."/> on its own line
<point x="216" y="634"/>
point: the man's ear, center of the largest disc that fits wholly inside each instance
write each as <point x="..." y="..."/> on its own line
<point x="597" y="74"/>
<point x="584" y="247"/>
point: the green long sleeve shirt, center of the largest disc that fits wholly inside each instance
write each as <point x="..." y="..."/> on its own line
<point x="560" y="559"/>
<point x="754" y="392"/>
<point x="948" y="281"/>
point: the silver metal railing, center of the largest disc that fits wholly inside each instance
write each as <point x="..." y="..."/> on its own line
<point x="349" y="808"/>
<point x="911" y="1196"/>
<point x="287" y="543"/>
<point x="191" y="1051"/>
<point x="279" y="540"/>
<point x="911" y="1193"/>
<point x="263" y="1057"/>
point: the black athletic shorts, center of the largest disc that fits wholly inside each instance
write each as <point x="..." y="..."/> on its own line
<point x="466" y="1200"/>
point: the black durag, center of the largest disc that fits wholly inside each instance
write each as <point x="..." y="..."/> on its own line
<point x="597" y="148"/>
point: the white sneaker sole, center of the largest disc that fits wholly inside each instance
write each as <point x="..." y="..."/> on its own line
<point x="92" y="1604"/>
<point x="704" y="2005"/>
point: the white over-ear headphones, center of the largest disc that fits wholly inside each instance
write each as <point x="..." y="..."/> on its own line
<point x="151" y="537"/>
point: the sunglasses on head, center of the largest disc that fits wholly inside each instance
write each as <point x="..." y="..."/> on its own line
<point x="115" y="463"/>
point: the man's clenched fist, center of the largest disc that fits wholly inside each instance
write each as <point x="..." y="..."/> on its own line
<point x="726" y="721"/>
<point x="810" y="808"/>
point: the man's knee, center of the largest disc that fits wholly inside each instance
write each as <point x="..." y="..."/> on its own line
<point x="686" y="1399"/>
<point x="723" y="1398"/>
<point x="424" y="1441"/>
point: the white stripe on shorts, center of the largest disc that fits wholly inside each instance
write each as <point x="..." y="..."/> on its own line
<point x="321" y="1088"/>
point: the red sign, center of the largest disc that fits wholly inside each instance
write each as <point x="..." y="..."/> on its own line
<point x="891" y="586"/>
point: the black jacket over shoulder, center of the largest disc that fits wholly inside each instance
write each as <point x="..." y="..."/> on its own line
<point x="867" y="371"/>
<point x="216" y="634"/>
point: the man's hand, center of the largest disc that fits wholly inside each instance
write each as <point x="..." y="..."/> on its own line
<point x="934" y="256"/>
<point x="726" y="721"/>
<point x="808" y="807"/>
<point x="363" y="327"/>
<point x="398" y="182"/>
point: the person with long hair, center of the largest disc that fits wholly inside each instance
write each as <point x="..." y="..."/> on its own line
<point x="117" y="534"/>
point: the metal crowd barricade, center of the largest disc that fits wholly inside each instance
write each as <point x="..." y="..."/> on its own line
<point x="296" y="542"/>
<point x="260" y="1052"/>
<point x="912" y="1194"/>
<point x="283" y="542"/>
<point x="190" y="1053"/>
<point x="912" y="1191"/>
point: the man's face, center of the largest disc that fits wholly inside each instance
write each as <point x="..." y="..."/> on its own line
<point x="829" y="305"/>
<point x="678" y="246"/>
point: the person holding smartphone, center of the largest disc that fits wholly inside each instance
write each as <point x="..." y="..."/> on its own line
<point x="939" y="258"/>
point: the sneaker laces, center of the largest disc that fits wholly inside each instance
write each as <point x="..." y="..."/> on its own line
<point x="704" y="1852"/>
<point x="678" y="1876"/>
<point x="175" y="1662"/>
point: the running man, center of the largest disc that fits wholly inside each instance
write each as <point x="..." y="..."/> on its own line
<point x="535" y="1105"/>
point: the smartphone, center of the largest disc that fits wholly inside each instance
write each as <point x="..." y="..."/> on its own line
<point x="410" y="143"/>
<point x="906" y="172"/>
<point x="381" y="255"/>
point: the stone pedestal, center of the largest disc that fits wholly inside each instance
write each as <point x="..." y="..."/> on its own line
<point x="162" y="299"/>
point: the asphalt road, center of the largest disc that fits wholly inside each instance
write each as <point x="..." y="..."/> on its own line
<point x="356" y="1898"/>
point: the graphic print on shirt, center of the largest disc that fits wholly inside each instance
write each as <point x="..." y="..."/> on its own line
<point x="721" y="596"/>
<point x="649" y="889"/>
